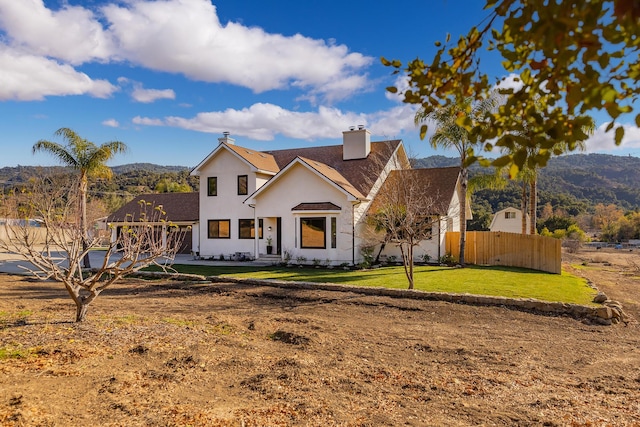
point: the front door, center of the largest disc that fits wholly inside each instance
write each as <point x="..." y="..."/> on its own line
<point x="278" y="235"/>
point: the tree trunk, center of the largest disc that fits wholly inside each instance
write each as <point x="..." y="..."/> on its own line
<point x="533" y="206"/>
<point x="523" y="207"/>
<point x="377" y="260"/>
<point x="407" y="262"/>
<point x="81" y="310"/>
<point x="464" y="180"/>
<point x="410" y="261"/>
<point x="83" y="220"/>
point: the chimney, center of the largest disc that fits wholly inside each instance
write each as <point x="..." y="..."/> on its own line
<point x="356" y="143"/>
<point x="226" y="139"/>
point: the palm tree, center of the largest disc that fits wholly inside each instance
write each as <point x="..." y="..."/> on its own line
<point x="88" y="160"/>
<point x="529" y="175"/>
<point x="449" y="134"/>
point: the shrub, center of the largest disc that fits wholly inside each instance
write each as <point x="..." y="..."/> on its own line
<point x="448" y="259"/>
<point x="367" y="256"/>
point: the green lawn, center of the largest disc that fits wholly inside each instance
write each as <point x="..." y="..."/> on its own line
<point x="495" y="281"/>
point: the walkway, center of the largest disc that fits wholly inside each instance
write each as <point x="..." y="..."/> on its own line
<point x="14" y="263"/>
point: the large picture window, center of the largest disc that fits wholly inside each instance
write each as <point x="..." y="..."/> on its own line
<point x="219" y="229"/>
<point x="313" y="233"/>
<point x="247" y="229"/>
<point x="243" y="187"/>
<point x="212" y="186"/>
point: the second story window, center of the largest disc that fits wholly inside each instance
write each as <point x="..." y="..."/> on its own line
<point x="243" y="187"/>
<point x="212" y="186"/>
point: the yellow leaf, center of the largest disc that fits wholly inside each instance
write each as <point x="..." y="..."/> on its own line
<point x="513" y="171"/>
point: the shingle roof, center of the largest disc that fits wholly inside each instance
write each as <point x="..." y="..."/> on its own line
<point x="360" y="173"/>
<point x="258" y="159"/>
<point x="178" y="206"/>
<point x="356" y="176"/>
<point x="441" y="183"/>
<point x="334" y="176"/>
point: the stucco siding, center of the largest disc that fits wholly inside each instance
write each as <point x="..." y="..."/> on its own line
<point x="513" y="224"/>
<point x="301" y="185"/>
<point x="226" y="205"/>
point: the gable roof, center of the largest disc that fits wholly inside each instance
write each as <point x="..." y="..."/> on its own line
<point x="356" y="176"/>
<point x="180" y="207"/>
<point x="360" y="173"/>
<point x="334" y="176"/>
<point x="258" y="160"/>
<point x="441" y="183"/>
<point x="324" y="172"/>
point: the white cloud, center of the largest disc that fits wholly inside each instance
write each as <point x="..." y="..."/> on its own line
<point x="265" y="121"/>
<point x="394" y="122"/>
<point x="146" y="96"/>
<point x="153" y="34"/>
<point x="147" y="121"/>
<point x="27" y="77"/>
<point x="72" y="34"/>
<point x="512" y="81"/>
<point x="184" y="37"/>
<point x="605" y="141"/>
<point x="111" y="123"/>
<point x="402" y="83"/>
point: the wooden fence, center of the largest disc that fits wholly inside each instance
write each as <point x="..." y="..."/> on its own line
<point x="37" y="234"/>
<point x="508" y="249"/>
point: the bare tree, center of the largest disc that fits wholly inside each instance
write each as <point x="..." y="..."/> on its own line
<point x="404" y="213"/>
<point x="57" y="248"/>
<point x="451" y="133"/>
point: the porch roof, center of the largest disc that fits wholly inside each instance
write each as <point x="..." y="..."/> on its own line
<point x="180" y="207"/>
<point x="320" y="206"/>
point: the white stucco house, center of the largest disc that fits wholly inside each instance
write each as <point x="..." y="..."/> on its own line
<point x="509" y="220"/>
<point x="308" y="202"/>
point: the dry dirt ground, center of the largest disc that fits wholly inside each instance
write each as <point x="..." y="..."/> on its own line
<point x="176" y="354"/>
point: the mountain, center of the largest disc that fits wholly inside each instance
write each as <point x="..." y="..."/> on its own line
<point x="574" y="183"/>
<point x="128" y="180"/>
<point x="149" y="167"/>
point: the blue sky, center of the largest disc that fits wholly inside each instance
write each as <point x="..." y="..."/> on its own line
<point x="168" y="77"/>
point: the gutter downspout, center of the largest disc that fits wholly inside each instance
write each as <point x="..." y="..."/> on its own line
<point x="353" y="232"/>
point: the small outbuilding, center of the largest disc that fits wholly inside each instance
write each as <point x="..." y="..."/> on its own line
<point x="509" y="220"/>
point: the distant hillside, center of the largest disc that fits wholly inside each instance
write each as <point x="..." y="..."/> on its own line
<point x="574" y="182"/>
<point x="128" y="180"/>
<point x="436" y="162"/>
<point x="149" y="167"/>
<point x="18" y="174"/>
<point x="597" y="178"/>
